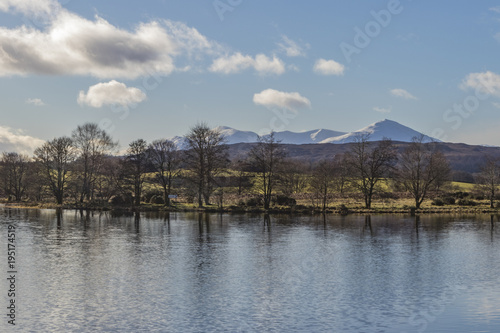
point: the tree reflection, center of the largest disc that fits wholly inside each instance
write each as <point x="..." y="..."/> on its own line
<point x="59" y="218"/>
<point x="368" y="224"/>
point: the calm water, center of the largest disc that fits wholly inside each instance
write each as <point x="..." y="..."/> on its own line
<point x="213" y="273"/>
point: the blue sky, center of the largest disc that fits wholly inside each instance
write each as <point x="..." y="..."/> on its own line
<point x="152" y="69"/>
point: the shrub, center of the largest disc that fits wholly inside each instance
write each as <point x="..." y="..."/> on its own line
<point x="448" y="200"/>
<point x="122" y="200"/>
<point x="157" y="199"/>
<point x="466" y="202"/>
<point x="443" y="201"/>
<point x="460" y="195"/>
<point x="343" y="210"/>
<point x="254" y="202"/>
<point x="438" y="202"/>
<point x="283" y="200"/>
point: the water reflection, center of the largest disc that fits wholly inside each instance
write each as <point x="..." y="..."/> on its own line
<point x="192" y="272"/>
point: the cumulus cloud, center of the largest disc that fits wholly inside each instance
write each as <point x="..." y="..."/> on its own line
<point x="110" y="93"/>
<point x="64" y="43"/>
<point x="12" y="140"/>
<point x="273" y="98"/>
<point x="291" y="48"/>
<point x="238" y="62"/>
<point x="328" y="67"/>
<point x="402" y="93"/>
<point x="70" y="44"/>
<point x="382" y="110"/>
<point x="485" y="82"/>
<point x="35" y="101"/>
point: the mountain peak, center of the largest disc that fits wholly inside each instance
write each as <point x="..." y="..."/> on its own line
<point x="380" y="130"/>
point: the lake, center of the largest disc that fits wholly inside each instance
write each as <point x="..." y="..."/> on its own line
<point x="189" y="272"/>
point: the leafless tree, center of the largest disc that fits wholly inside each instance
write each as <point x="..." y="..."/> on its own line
<point x="137" y="161"/>
<point x="489" y="178"/>
<point x="206" y="157"/>
<point x="342" y="173"/>
<point x="322" y="181"/>
<point x="266" y="157"/>
<point x="421" y="167"/>
<point x="56" y="157"/>
<point x="369" y="163"/>
<point x="292" y="176"/>
<point x="92" y="144"/>
<point x="15" y="174"/>
<point x="165" y="159"/>
<point x="243" y="179"/>
<point x="109" y="182"/>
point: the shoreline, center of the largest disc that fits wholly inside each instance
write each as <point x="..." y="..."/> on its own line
<point x="256" y="210"/>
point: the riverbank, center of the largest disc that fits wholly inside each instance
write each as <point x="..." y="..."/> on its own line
<point x="341" y="209"/>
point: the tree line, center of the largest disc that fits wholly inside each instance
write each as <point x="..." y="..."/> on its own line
<point x="84" y="170"/>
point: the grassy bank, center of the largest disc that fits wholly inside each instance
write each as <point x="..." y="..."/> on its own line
<point x="340" y="206"/>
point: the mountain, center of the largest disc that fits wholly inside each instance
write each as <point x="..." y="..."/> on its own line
<point x="376" y="131"/>
<point x="300" y="138"/>
<point x="380" y="130"/>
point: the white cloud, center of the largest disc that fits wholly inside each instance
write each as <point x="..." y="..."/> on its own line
<point x="12" y="140"/>
<point x="497" y="105"/>
<point x="291" y="48"/>
<point x="55" y="41"/>
<point x="238" y="62"/>
<point x="328" y="67"/>
<point x="485" y="82"/>
<point x="111" y="93"/>
<point x="35" y="101"/>
<point x="402" y="93"/>
<point x="31" y="7"/>
<point x="495" y="9"/>
<point x="273" y="98"/>
<point x="72" y="45"/>
<point x="383" y="110"/>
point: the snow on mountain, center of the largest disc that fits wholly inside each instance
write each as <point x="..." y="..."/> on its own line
<point x="235" y="136"/>
<point x="380" y="130"/>
<point x="314" y="136"/>
<point x="377" y="131"/>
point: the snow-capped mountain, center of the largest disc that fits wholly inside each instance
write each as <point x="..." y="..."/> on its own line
<point x="376" y="131"/>
<point x="380" y="130"/>
<point x="314" y="136"/>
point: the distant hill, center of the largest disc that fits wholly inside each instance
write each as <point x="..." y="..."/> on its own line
<point x="462" y="158"/>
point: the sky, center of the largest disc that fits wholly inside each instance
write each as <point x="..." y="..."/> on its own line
<point x="153" y="69"/>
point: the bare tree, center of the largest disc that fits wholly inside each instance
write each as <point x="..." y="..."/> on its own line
<point x="369" y="163"/>
<point x="243" y="179"/>
<point x="15" y="174"/>
<point x="56" y="157"/>
<point x="342" y="173"/>
<point x="421" y="167"/>
<point x="92" y="144"/>
<point x="322" y="181"/>
<point x="206" y="157"/>
<point x="137" y="161"/>
<point x="266" y="157"/>
<point x="165" y="159"/>
<point x="489" y="178"/>
<point x="292" y="176"/>
<point x="109" y="182"/>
